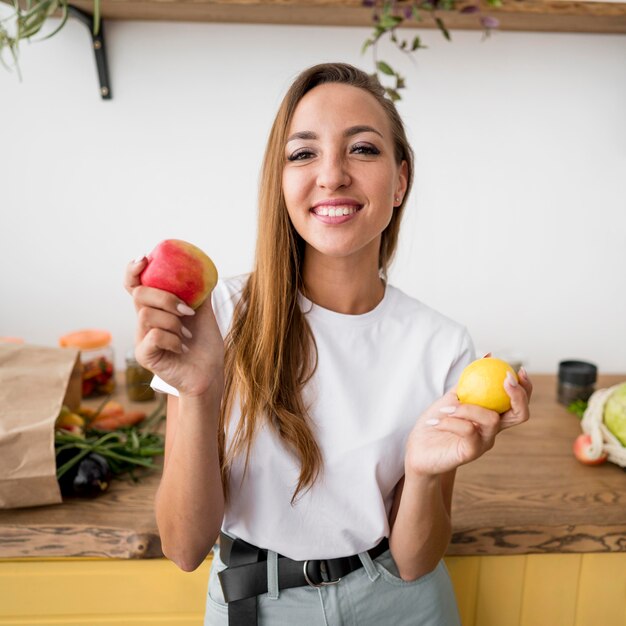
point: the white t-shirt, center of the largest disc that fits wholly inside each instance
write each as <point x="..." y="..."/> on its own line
<point x="376" y="374"/>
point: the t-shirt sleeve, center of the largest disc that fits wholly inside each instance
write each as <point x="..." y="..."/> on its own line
<point x="158" y="384"/>
<point x="465" y="355"/>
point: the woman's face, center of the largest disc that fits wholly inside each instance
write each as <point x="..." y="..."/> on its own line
<point x="341" y="180"/>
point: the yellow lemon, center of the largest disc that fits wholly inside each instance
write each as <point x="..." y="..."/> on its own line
<point x="482" y="383"/>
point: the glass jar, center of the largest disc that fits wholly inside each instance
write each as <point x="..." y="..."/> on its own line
<point x="577" y="380"/>
<point x="97" y="360"/>
<point x="138" y="380"/>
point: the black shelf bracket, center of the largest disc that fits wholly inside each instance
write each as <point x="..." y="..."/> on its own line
<point x="99" y="49"/>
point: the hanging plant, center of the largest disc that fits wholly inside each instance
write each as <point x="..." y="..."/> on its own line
<point x="27" y="20"/>
<point x="389" y="15"/>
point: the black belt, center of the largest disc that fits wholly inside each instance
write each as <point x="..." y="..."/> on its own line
<point x="245" y="577"/>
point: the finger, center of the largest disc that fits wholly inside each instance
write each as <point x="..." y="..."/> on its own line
<point x="519" y="411"/>
<point x="485" y="421"/>
<point x="160" y="299"/>
<point x="525" y="381"/>
<point x="449" y="398"/>
<point x="149" y="351"/>
<point x="457" y="426"/>
<point x="133" y="270"/>
<point x="149" y="318"/>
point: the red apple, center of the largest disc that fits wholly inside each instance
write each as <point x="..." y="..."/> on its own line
<point x="584" y="453"/>
<point x="182" y="269"/>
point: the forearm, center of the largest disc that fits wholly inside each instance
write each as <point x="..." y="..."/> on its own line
<point x="422" y="528"/>
<point x="190" y="499"/>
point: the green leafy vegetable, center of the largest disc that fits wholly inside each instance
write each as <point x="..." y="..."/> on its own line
<point x="578" y="408"/>
<point x="125" y="449"/>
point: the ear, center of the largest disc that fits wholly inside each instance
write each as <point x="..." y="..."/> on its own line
<point x="402" y="181"/>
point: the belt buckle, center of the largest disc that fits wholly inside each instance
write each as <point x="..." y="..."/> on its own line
<point x="323" y="583"/>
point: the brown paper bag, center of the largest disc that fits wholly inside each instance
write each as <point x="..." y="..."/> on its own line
<point x="34" y="383"/>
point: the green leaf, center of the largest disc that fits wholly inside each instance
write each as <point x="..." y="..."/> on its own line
<point x="417" y="16"/>
<point x="578" y="408"/>
<point x="389" y="22"/>
<point x="393" y="94"/>
<point x="400" y="84"/>
<point x="64" y="18"/>
<point x="366" y="44"/>
<point x="416" y="44"/>
<point x="442" y="28"/>
<point x="379" y="32"/>
<point x="385" y="69"/>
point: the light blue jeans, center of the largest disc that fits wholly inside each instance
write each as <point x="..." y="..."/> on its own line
<point x="373" y="595"/>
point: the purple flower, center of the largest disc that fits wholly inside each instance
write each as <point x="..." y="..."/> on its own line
<point x="472" y="8"/>
<point x="408" y="12"/>
<point x="369" y="3"/>
<point x="489" y="22"/>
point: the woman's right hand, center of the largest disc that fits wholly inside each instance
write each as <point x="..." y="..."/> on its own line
<point x="182" y="346"/>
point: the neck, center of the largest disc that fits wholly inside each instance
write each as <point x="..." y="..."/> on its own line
<point x="344" y="285"/>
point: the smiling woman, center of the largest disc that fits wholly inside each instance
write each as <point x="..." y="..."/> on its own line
<point x="341" y="139"/>
<point x="316" y="400"/>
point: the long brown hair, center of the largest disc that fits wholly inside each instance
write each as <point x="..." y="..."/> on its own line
<point x="270" y="350"/>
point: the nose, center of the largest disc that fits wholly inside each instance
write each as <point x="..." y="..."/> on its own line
<point x="333" y="173"/>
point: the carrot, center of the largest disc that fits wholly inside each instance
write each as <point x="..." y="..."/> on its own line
<point x="111" y="409"/>
<point x="113" y="422"/>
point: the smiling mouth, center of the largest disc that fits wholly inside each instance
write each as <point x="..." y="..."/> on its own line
<point x="335" y="211"/>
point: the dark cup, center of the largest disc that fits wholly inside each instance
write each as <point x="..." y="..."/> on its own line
<point x="577" y="381"/>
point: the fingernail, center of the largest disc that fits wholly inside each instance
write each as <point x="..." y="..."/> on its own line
<point x="523" y="372"/>
<point x="139" y="259"/>
<point x="511" y="379"/>
<point x="186" y="332"/>
<point x="433" y="421"/>
<point x="184" y="348"/>
<point x="486" y="355"/>
<point x="181" y="307"/>
<point x="449" y="410"/>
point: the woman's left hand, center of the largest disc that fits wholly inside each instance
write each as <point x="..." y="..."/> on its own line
<point x="449" y="434"/>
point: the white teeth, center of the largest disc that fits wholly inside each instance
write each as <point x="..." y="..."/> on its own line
<point x="335" y="211"/>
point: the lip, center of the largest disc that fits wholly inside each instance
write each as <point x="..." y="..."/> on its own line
<point x="337" y="202"/>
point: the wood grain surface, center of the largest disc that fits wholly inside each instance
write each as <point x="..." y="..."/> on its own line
<point x="530" y="495"/>
<point x="527" y="495"/>
<point x="529" y="15"/>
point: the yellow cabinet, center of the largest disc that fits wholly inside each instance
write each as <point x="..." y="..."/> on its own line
<point x="525" y="590"/>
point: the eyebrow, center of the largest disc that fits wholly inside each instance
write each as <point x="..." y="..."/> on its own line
<point x="349" y="132"/>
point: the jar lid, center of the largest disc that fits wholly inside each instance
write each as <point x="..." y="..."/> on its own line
<point x="86" y="339"/>
<point x="577" y="372"/>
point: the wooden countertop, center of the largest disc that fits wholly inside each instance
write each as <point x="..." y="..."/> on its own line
<point x="527" y="495"/>
<point x="530" y="495"/>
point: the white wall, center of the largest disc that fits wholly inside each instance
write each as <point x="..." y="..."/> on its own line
<point x="516" y="225"/>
